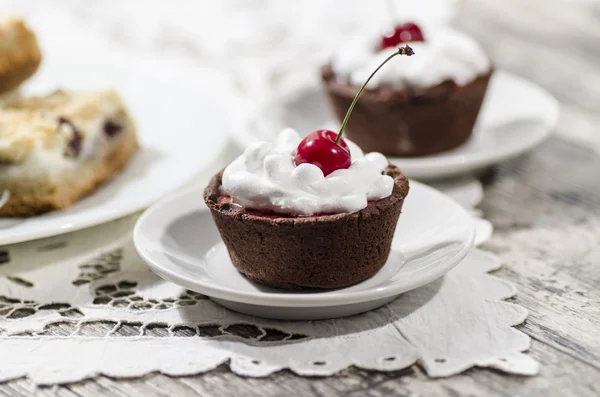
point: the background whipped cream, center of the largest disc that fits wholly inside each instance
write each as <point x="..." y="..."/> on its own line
<point x="264" y="177"/>
<point x="446" y="54"/>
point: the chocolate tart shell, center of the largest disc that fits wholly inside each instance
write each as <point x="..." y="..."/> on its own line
<point x="326" y="251"/>
<point x="405" y="122"/>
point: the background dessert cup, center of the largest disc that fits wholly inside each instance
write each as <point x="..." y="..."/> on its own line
<point x="406" y="123"/>
<point x="417" y="106"/>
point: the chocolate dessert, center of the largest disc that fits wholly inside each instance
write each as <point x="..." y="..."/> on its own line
<point x="308" y="213"/>
<point x="419" y="106"/>
<point x="322" y="251"/>
<point x="408" y="123"/>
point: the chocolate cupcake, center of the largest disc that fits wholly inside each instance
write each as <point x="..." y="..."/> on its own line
<point x="418" y="106"/>
<point x="290" y="226"/>
<point x="310" y="213"/>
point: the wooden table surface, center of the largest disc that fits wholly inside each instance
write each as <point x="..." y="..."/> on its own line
<point x="546" y="210"/>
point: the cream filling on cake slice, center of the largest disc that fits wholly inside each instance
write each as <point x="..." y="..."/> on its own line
<point x="44" y="137"/>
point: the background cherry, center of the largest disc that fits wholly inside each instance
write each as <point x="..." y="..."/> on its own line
<point x="326" y="149"/>
<point x="402" y="34"/>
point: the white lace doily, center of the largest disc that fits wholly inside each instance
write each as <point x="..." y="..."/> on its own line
<point x="84" y="304"/>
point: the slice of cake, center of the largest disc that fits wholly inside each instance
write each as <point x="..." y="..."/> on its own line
<point x="20" y="54"/>
<point x="57" y="148"/>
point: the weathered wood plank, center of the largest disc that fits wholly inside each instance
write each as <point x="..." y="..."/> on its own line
<point x="24" y="388"/>
<point x="103" y="386"/>
<point x="540" y="44"/>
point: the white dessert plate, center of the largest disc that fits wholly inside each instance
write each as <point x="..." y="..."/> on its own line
<point x="516" y="116"/>
<point x="181" y="126"/>
<point x="178" y="240"/>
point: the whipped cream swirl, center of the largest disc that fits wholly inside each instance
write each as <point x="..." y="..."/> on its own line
<point x="264" y="177"/>
<point x="446" y="54"/>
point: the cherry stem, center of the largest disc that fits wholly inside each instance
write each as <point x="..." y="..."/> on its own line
<point x="406" y="50"/>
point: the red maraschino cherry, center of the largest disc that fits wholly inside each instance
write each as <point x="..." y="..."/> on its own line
<point x="402" y="34"/>
<point x="326" y="149"/>
<point x="322" y="149"/>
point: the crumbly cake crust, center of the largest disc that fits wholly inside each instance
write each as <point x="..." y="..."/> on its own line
<point x="20" y="54"/>
<point x="326" y="251"/>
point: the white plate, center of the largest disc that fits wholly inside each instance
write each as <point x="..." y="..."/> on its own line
<point x="178" y="240"/>
<point x="181" y="126"/>
<point x="515" y="117"/>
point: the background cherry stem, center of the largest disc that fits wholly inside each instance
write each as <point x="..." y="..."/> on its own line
<point x="406" y="50"/>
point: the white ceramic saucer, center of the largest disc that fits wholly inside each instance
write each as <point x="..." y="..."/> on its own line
<point x="516" y="116"/>
<point x="178" y="240"/>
